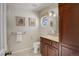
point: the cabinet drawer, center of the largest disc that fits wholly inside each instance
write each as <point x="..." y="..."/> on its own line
<point x="55" y="44"/>
<point x="45" y="40"/>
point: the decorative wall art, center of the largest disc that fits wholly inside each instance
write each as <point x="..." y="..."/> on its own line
<point x="31" y="21"/>
<point x="20" y="21"/>
<point x="44" y="20"/>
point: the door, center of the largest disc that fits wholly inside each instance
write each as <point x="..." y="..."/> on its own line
<point x="66" y="51"/>
<point x="43" y="49"/>
<point x="69" y="26"/>
<point x="52" y="51"/>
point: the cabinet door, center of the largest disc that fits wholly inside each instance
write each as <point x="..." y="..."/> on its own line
<point x="69" y="52"/>
<point x="69" y="24"/>
<point x="43" y="48"/>
<point x="52" y="51"/>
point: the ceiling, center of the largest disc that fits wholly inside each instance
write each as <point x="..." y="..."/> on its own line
<point x="31" y="6"/>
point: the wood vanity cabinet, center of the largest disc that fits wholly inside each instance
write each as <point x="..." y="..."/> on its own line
<point x="69" y="29"/>
<point x="43" y="49"/>
<point x="52" y="51"/>
<point x="68" y="33"/>
<point x="48" y="47"/>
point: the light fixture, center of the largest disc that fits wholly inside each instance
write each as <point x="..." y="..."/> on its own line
<point x="34" y="5"/>
<point x="51" y="13"/>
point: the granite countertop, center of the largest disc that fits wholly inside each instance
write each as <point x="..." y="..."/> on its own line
<point x="51" y="37"/>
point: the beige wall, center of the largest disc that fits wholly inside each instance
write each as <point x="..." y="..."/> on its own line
<point x="3" y="32"/>
<point x="31" y="35"/>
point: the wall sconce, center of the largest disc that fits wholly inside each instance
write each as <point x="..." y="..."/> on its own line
<point x="52" y="13"/>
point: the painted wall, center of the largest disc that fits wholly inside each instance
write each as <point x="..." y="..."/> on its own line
<point x="0" y="26"/>
<point x="31" y="33"/>
<point x="45" y="12"/>
<point x="3" y="32"/>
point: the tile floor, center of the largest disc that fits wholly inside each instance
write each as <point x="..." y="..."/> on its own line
<point x="26" y="53"/>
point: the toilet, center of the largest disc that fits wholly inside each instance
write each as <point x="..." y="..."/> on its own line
<point x="36" y="46"/>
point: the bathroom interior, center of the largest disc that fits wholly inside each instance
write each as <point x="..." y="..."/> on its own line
<point x="34" y="29"/>
<point x="26" y="23"/>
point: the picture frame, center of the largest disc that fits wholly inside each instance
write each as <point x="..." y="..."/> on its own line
<point x="44" y="20"/>
<point x="31" y="21"/>
<point x="20" y="21"/>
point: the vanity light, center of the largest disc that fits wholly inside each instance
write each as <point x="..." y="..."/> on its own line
<point x="51" y="13"/>
<point x="54" y="15"/>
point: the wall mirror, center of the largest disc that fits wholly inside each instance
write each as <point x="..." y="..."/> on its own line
<point x="53" y="22"/>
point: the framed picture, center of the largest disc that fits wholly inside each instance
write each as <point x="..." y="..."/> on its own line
<point x="20" y="21"/>
<point x="44" y="20"/>
<point x="31" y="21"/>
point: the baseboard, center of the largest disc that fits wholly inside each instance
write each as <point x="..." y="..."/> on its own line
<point x="22" y="50"/>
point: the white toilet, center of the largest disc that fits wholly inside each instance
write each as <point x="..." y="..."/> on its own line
<point x="36" y="46"/>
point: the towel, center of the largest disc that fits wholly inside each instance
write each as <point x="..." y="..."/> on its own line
<point x="19" y="37"/>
